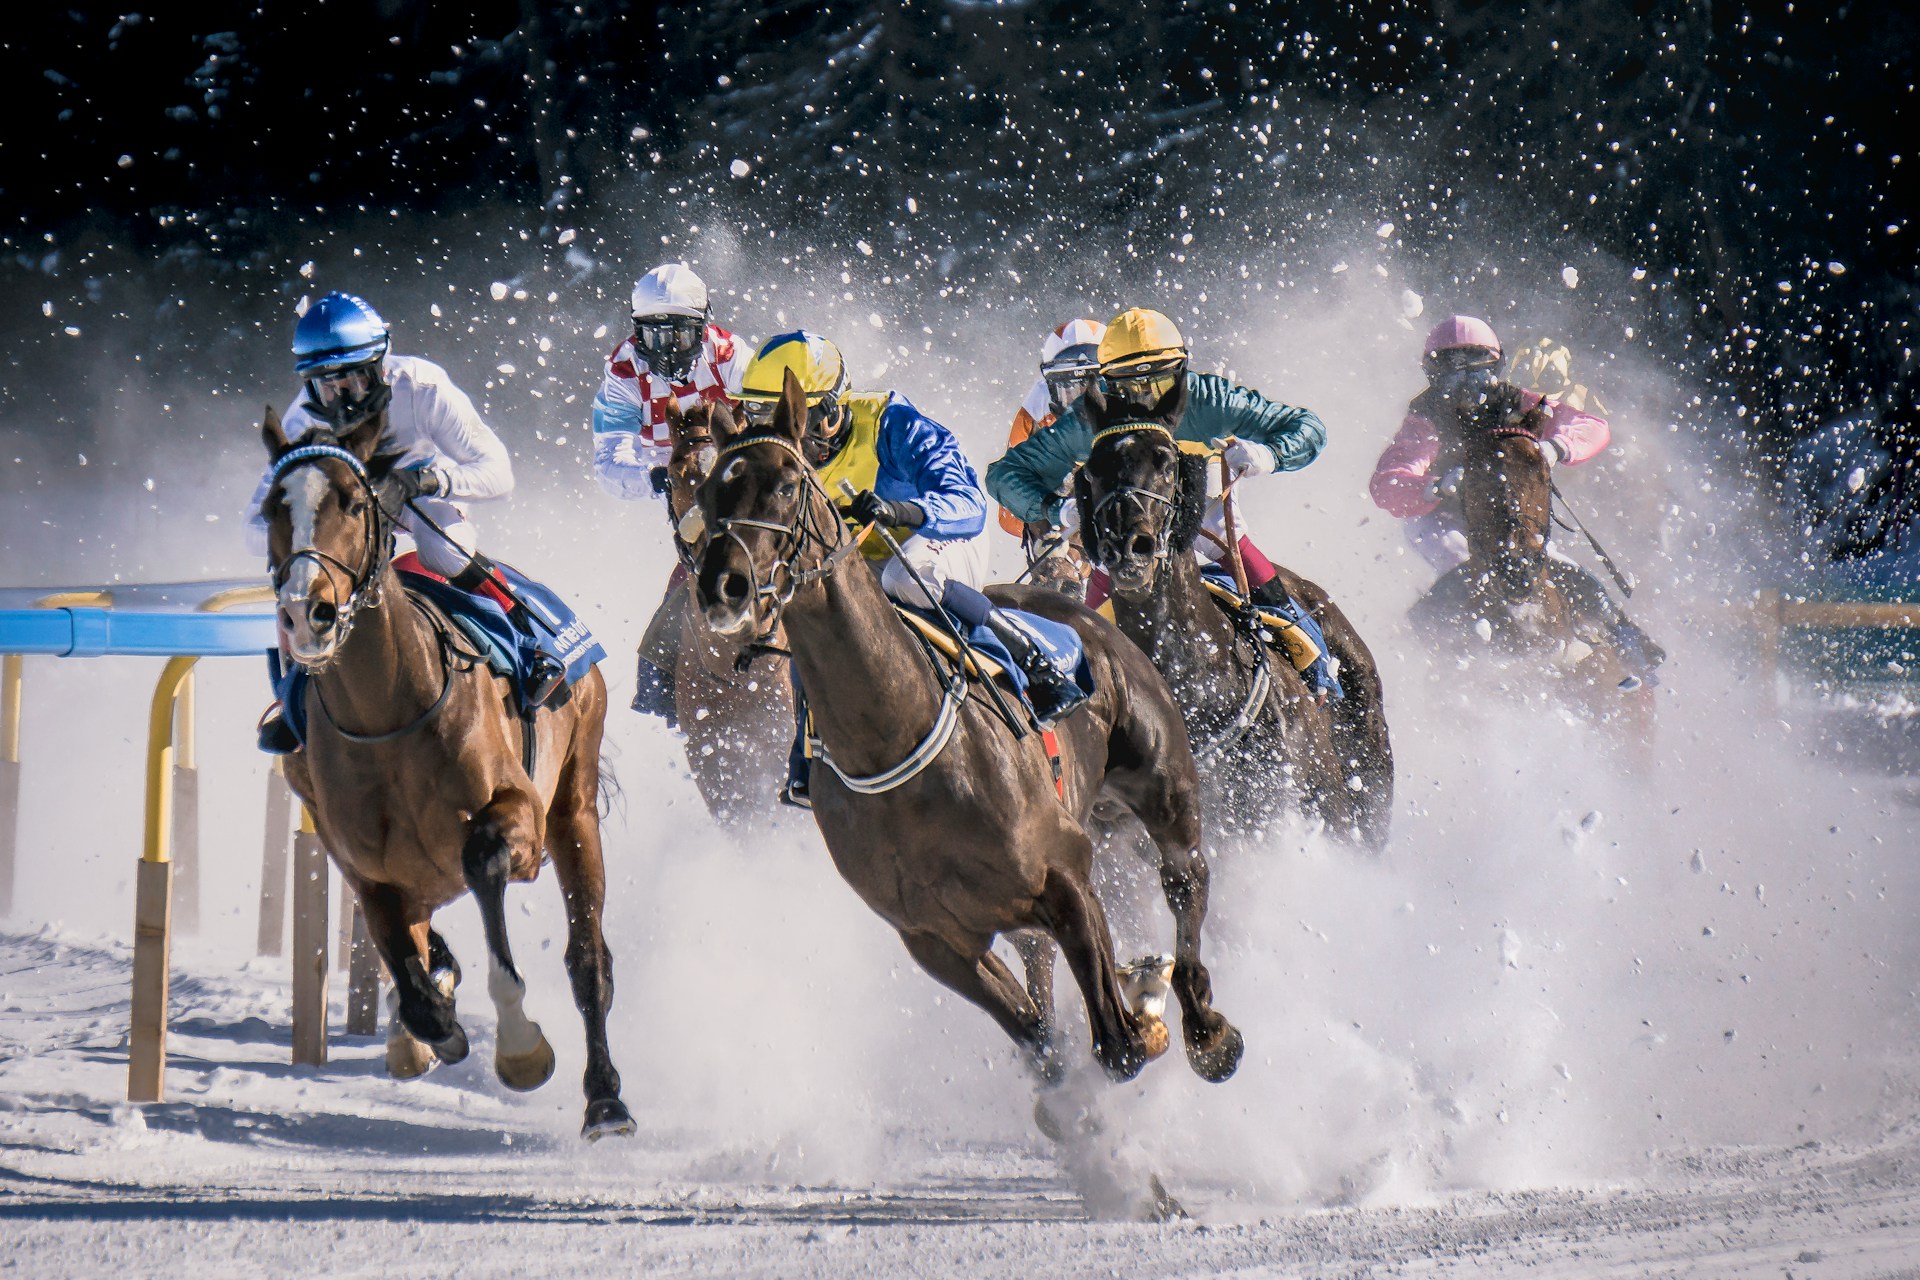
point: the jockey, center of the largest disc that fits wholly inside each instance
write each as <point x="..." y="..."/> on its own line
<point x="910" y="476"/>
<point x="447" y="454"/>
<point x="1069" y="364"/>
<point x="1142" y="359"/>
<point x="1462" y="357"/>
<point x="675" y="355"/>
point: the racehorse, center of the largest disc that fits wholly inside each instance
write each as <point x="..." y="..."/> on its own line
<point x="1265" y="743"/>
<point x="413" y="773"/>
<point x="1505" y="592"/>
<point x="947" y="822"/>
<point x="737" y="724"/>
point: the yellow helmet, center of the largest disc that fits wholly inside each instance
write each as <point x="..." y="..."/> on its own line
<point x="1138" y="336"/>
<point x="814" y="361"/>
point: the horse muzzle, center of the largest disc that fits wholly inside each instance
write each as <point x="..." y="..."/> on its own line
<point x="311" y="628"/>
<point x="1131" y="562"/>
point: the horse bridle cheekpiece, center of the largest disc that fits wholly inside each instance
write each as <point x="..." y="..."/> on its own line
<point x="1128" y="492"/>
<point x="783" y="578"/>
<point x="363" y="586"/>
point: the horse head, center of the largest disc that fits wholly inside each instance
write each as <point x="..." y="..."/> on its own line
<point x="1505" y="493"/>
<point x="693" y="434"/>
<point x="1140" y="496"/>
<point x="328" y="537"/>
<point x="768" y="522"/>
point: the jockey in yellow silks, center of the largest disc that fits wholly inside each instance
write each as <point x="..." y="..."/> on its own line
<point x="910" y="477"/>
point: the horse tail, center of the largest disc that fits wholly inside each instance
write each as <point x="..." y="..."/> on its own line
<point x="610" y="791"/>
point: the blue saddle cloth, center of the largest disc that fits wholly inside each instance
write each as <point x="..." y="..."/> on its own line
<point x="1320" y="674"/>
<point x="1060" y="642"/>
<point x="508" y="647"/>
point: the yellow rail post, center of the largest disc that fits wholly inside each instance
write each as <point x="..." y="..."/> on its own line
<point x="309" y="945"/>
<point x="274" y="849"/>
<point x="12" y="677"/>
<point x="153" y="898"/>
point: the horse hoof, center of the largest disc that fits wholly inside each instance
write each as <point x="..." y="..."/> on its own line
<point x="527" y="1071"/>
<point x="1046" y="1122"/>
<point x="1220" y="1062"/>
<point x="607" y="1118"/>
<point x="1159" y="1206"/>
<point x="408" y="1058"/>
<point x="454" y="1048"/>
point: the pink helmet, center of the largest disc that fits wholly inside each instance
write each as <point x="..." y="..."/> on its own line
<point x="1461" y="331"/>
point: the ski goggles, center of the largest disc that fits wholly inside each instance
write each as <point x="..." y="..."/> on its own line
<point x="759" y="411"/>
<point x="1064" y="386"/>
<point x="1460" y="360"/>
<point x="1144" y="384"/>
<point x="343" y="386"/>
<point x="668" y="335"/>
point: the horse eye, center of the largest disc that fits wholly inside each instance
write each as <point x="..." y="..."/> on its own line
<point x="357" y="507"/>
<point x="788" y="489"/>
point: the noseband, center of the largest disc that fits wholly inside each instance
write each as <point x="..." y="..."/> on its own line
<point x="363" y="586"/>
<point x="1107" y="511"/>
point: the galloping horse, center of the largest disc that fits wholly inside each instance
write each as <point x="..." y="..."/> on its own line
<point x="413" y="772"/>
<point x="1505" y="591"/>
<point x="738" y="724"/>
<point x="1264" y="743"/>
<point x="948" y="825"/>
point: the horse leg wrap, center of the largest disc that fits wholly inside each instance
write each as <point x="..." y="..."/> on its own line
<point x="522" y="1058"/>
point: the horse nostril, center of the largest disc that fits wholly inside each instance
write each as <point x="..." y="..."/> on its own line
<point x="321" y="615"/>
<point x="733" y="588"/>
<point x="1144" y="546"/>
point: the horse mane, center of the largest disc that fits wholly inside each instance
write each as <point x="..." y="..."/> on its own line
<point x="1190" y="508"/>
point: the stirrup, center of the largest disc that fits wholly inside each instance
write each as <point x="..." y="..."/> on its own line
<point x="796" y="794"/>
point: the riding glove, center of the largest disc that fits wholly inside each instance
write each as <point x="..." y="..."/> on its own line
<point x="1445" y="486"/>
<point x="869" y="507"/>
<point x="660" y="478"/>
<point x="417" y="482"/>
<point x="1067" y="518"/>
<point x="1246" y="457"/>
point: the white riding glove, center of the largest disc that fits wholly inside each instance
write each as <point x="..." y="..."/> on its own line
<point x="1446" y="486"/>
<point x="1246" y="457"/>
<point x="1068" y="521"/>
<point x="1552" y="453"/>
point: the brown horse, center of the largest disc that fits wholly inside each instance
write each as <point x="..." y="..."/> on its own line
<point x="738" y="724"/>
<point x="1505" y="593"/>
<point x="946" y="822"/>
<point x="1266" y="744"/>
<point x="413" y="773"/>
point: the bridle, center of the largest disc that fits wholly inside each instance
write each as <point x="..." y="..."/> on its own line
<point x="363" y="583"/>
<point x="783" y="575"/>
<point x="1105" y="516"/>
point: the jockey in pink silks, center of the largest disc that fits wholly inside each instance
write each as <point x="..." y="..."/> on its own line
<point x="1462" y="358"/>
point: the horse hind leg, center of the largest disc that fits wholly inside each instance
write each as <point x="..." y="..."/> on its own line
<point x="522" y="1058"/>
<point x="573" y="837"/>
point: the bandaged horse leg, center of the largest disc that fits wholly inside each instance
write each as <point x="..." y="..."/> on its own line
<point x="522" y="1058"/>
<point x="660" y="652"/>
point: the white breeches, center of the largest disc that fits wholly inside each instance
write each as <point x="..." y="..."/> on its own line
<point x="436" y="554"/>
<point x="938" y="563"/>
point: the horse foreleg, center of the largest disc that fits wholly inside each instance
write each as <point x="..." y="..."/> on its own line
<point x="522" y="1058"/>
<point x="421" y="1004"/>
<point x="1122" y="1042"/>
<point x="573" y="837"/>
<point x="1036" y="952"/>
<point x="984" y="978"/>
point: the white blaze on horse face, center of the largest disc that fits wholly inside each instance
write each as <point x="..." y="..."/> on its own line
<point x="305" y="488"/>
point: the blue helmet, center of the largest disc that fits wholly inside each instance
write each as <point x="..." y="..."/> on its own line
<point x="338" y="332"/>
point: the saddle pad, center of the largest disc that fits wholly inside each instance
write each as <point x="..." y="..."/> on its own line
<point x="481" y="618"/>
<point x="1294" y="631"/>
<point x="1059" y="642"/>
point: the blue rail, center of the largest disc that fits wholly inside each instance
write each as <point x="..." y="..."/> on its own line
<point x="93" y="633"/>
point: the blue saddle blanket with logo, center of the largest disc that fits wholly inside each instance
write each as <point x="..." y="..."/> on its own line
<point x="554" y="630"/>
<point x="1320" y="673"/>
<point x="1060" y="642"/>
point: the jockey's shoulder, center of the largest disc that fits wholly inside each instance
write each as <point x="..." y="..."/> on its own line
<point x="721" y="343"/>
<point x="418" y="370"/>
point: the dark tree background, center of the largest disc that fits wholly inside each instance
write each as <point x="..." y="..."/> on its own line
<point x="1747" y="156"/>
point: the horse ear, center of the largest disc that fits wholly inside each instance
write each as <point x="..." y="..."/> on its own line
<point x="721" y="421"/>
<point x="791" y="417"/>
<point x="273" y="435"/>
<point x="1173" y="405"/>
<point x="1096" y="404"/>
<point x="676" y="421"/>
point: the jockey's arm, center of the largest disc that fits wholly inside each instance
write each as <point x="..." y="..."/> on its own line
<point x="1217" y="409"/>
<point x="1026" y="476"/>
<point x="1023" y="427"/>
<point x="1401" y="476"/>
<point x="1578" y="435"/>
<point x="921" y="462"/>
<point x="477" y="465"/>
<point x="623" y="460"/>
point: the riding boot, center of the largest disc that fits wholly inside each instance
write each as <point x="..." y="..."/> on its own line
<point x="1053" y="693"/>
<point x="653" y="692"/>
<point x="275" y="735"/>
<point x="545" y="678"/>
<point x="1584" y="591"/>
<point x="799" y="763"/>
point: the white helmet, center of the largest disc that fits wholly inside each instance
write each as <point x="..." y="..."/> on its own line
<point x="670" y="289"/>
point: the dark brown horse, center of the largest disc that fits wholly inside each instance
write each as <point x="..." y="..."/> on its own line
<point x="412" y="770"/>
<point x="738" y="724"/>
<point x="1265" y="743"/>
<point x="943" y="821"/>
<point x="1504" y="598"/>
